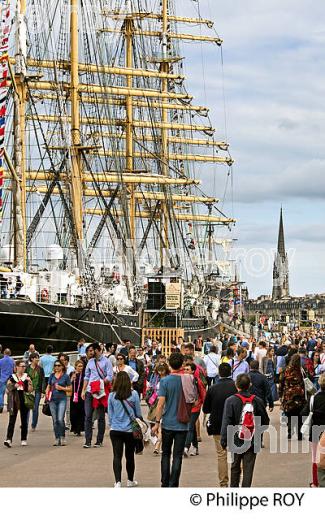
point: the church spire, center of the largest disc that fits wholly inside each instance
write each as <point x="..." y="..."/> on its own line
<point x="281" y="268"/>
<point x="281" y="244"/>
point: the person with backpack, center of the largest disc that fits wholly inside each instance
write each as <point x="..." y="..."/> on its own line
<point x="214" y="405"/>
<point x="177" y="394"/>
<point x="243" y="423"/>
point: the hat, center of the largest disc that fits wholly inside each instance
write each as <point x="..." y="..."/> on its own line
<point x="244" y="344"/>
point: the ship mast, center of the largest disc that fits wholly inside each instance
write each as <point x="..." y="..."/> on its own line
<point x="160" y="131"/>
<point x="76" y="162"/>
<point x="19" y="180"/>
<point x="128" y="30"/>
<point x="164" y="68"/>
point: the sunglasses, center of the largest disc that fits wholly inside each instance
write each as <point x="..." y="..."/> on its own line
<point x="120" y="359"/>
<point x="58" y="365"/>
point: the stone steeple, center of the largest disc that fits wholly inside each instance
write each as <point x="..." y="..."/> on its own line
<point x="280" y="268"/>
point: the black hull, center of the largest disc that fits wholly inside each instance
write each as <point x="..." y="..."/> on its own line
<point x="23" y="322"/>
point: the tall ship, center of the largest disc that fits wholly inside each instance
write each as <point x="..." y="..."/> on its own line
<point x="106" y="232"/>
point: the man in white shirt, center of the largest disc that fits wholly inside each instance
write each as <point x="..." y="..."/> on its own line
<point x="212" y="362"/>
<point x="260" y="353"/>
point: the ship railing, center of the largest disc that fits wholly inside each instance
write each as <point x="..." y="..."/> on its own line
<point x="73" y="356"/>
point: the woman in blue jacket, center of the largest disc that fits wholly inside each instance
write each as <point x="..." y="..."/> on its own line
<point x="123" y="406"/>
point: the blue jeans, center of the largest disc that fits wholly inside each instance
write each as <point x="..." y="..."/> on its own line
<point x="58" y="409"/>
<point x="2" y="393"/>
<point x="191" y="434"/>
<point x="38" y="396"/>
<point x="170" y="475"/>
<point x="89" y="420"/>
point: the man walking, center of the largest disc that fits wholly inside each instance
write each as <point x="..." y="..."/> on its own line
<point x="240" y="365"/>
<point x="242" y="442"/>
<point x="214" y="405"/>
<point x="7" y="367"/>
<point x="260" y="385"/>
<point x="98" y="376"/>
<point x="174" y="431"/>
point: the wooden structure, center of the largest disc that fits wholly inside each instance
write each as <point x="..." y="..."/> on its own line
<point x="164" y="336"/>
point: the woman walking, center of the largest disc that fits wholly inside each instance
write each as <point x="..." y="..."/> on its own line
<point x="269" y="369"/>
<point x="77" y="405"/>
<point x="292" y="395"/>
<point x="57" y="392"/>
<point x="318" y="368"/>
<point x="123" y="367"/>
<point x="18" y="385"/>
<point x="316" y="404"/>
<point x="123" y="407"/>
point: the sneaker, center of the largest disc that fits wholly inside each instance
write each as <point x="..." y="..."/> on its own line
<point x="98" y="445"/>
<point x="33" y="430"/>
<point x="194" y="452"/>
<point x="156" y="452"/>
<point x="87" y="445"/>
<point x="24" y="443"/>
<point x="63" y="441"/>
<point x="117" y="484"/>
<point x="57" y="442"/>
<point x="131" y="483"/>
<point x="185" y="452"/>
<point x="7" y="443"/>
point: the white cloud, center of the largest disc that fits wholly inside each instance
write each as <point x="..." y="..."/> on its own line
<point x="274" y="67"/>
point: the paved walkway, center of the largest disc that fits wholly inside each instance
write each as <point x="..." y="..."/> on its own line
<point x="42" y="465"/>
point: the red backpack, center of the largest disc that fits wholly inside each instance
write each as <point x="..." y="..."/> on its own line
<point x="247" y="419"/>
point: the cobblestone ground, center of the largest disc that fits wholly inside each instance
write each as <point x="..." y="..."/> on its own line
<point x="36" y="464"/>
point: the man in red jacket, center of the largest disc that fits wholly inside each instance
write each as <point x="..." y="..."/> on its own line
<point x="191" y="439"/>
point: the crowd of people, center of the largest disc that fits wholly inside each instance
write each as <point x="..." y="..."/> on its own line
<point x="227" y="384"/>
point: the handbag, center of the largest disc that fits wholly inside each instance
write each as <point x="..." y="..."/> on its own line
<point x="309" y="387"/>
<point x="306" y="426"/>
<point x="135" y="425"/>
<point x="29" y="400"/>
<point x="46" y="410"/>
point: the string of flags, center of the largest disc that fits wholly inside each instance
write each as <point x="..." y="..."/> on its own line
<point x="4" y="72"/>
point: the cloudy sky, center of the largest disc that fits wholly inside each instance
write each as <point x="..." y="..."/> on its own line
<point x="274" y="84"/>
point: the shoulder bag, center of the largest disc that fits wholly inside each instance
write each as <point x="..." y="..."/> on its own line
<point x="309" y="387"/>
<point x="46" y="409"/>
<point x="29" y="400"/>
<point x="137" y="425"/>
<point x="305" y="429"/>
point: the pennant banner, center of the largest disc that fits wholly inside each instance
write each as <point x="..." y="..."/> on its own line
<point x="4" y="73"/>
